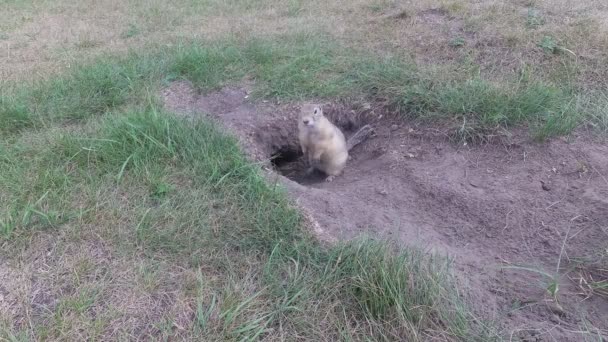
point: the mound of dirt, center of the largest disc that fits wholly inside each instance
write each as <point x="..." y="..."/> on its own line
<point x="489" y="206"/>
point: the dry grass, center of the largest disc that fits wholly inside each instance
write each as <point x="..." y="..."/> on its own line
<point x="493" y="36"/>
<point x="591" y="274"/>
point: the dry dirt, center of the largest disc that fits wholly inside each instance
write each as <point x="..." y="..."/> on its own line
<point x="511" y="202"/>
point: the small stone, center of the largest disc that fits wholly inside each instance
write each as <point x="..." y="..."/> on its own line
<point x="544" y="186"/>
<point x="394" y="127"/>
<point x="383" y="192"/>
<point x="557" y="309"/>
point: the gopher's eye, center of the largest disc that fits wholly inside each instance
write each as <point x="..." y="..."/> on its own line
<point x="316" y="111"/>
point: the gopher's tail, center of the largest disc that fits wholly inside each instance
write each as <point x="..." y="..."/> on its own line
<point x="362" y="134"/>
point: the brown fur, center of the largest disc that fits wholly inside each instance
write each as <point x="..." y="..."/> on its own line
<point x="323" y="144"/>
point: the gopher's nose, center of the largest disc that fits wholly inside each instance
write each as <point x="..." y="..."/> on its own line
<point x="306" y="121"/>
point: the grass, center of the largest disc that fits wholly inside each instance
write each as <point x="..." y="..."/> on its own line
<point x="257" y="270"/>
<point x="303" y="66"/>
<point x="119" y="221"/>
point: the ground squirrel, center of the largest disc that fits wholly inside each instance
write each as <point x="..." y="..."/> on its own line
<point x="323" y="144"/>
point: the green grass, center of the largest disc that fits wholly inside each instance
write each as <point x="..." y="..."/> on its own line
<point x="302" y="66"/>
<point x="136" y="142"/>
<point x="87" y="91"/>
<point x="293" y="69"/>
<point x="14" y="114"/>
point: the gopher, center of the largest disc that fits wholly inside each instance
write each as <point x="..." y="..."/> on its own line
<point x="323" y="144"/>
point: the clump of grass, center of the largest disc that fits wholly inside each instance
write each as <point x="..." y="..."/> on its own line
<point x="14" y="116"/>
<point x="534" y="18"/>
<point x="131" y="31"/>
<point x="598" y="112"/>
<point x="398" y="291"/>
<point x="594" y="279"/>
<point x="369" y="290"/>
<point x="479" y="104"/>
<point x="298" y="67"/>
<point x="135" y="142"/>
<point x="87" y="43"/>
<point x="592" y="273"/>
<point x="88" y="90"/>
<point x="307" y="68"/>
<point x="543" y="108"/>
<point x="85" y="91"/>
<point x="457" y="42"/>
<point x="34" y="186"/>
<point x="391" y="81"/>
<point x="209" y="66"/>
<point x="549" y="45"/>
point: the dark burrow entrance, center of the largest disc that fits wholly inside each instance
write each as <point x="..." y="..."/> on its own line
<point x="289" y="161"/>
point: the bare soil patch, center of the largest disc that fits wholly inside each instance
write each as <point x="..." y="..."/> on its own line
<point x="507" y="203"/>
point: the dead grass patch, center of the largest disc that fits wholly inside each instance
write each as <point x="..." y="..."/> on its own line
<point x="498" y="37"/>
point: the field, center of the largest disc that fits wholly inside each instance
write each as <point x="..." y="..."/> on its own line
<point x="151" y="184"/>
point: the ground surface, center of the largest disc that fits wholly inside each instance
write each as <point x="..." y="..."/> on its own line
<point x="107" y="231"/>
<point x="513" y="202"/>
